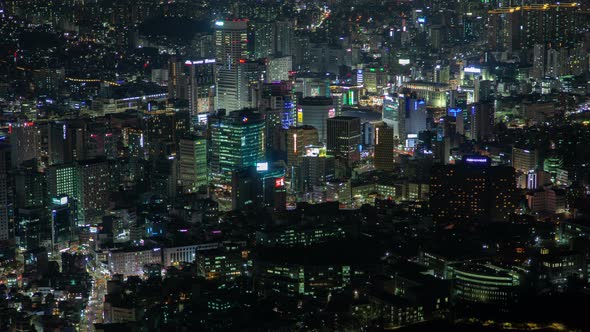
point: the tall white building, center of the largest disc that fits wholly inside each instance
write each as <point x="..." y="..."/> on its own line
<point x="231" y="41"/>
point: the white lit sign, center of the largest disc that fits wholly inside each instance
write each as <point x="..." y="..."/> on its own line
<point x="403" y="62"/>
<point x="312" y="152"/>
<point x="219" y="23"/>
<point x="262" y="167"/>
<point x="199" y="62"/>
<point x="60" y="200"/>
<point x="472" y="70"/>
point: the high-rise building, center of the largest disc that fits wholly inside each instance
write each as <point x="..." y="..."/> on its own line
<point x="246" y="188"/>
<point x="392" y="116"/>
<point x="237" y="141"/>
<point x="315" y="111"/>
<point x="60" y="143"/>
<point x="63" y="221"/>
<point x="30" y="187"/>
<point x="192" y="163"/>
<point x="93" y="189"/>
<point x="278" y="98"/>
<point x="472" y="190"/>
<point x="29" y="224"/>
<point x="375" y="79"/>
<point x="62" y="180"/>
<point x="482" y="121"/>
<point x="344" y="138"/>
<point x="231" y="48"/>
<point x="412" y="118"/>
<point x="504" y="27"/>
<point x="24" y="139"/>
<point x="231" y="42"/>
<point x="236" y="85"/>
<point x="283" y="37"/>
<point x="384" y="145"/>
<point x="279" y="68"/>
<point x="201" y="86"/>
<point x="297" y="139"/>
<point x="524" y="160"/>
<point x="6" y="194"/>
<point x="232" y="93"/>
<point x="176" y="79"/>
<point x="264" y="43"/>
<point x="315" y="169"/>
<point x="539" y="61"/>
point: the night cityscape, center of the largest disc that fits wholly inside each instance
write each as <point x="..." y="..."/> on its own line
<point x="294" y="165"/>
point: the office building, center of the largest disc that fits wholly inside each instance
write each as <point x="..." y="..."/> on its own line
<point x="297" y="139"/>
<point x="524" y="160"/>
<point x="201" y="86"/>
<point x="315" y="169"/>
<point x="485" y="284"/>
<point x="192" y="163"/>
<point x="231" y="41"/>
<point x="279" y="68"/>
<point x="237" y="141"/>
<point x="6" y="194"/>
<point x="24" y="140"/>
<point x="93" y="186"/>
<point x="246" y="189"/>
<point x="471" y="191"/>
<point x="482" y="121"/>
<point x="344" y="138"/>
<point x="384" y="146"/>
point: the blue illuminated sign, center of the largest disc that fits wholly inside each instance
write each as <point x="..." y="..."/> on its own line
<point x="476" y="160"/>
<point x="454" y="111"/>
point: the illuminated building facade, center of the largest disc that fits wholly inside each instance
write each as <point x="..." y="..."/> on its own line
<point x="192" y="152"/>
<point x="479" y="284"/>
<point x="237" y="141"/>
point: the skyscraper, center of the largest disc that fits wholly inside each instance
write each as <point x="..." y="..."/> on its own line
<point x="6" y="194"/>
<point x="539" y="61"/>
<point x="201" y="86"/>
<point x="231" y="41"/>
<point x="264" y="44"/>
<point x="237" y="141"/>
<point x="384" y="145"/>
<point x="93" y="186"/>
<point x="297" y="139"/>
<point x="24" y="141"/>
<point x="192" y="163"/>
<point x="482" y="121"/>
<point x="344" y="138"/>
